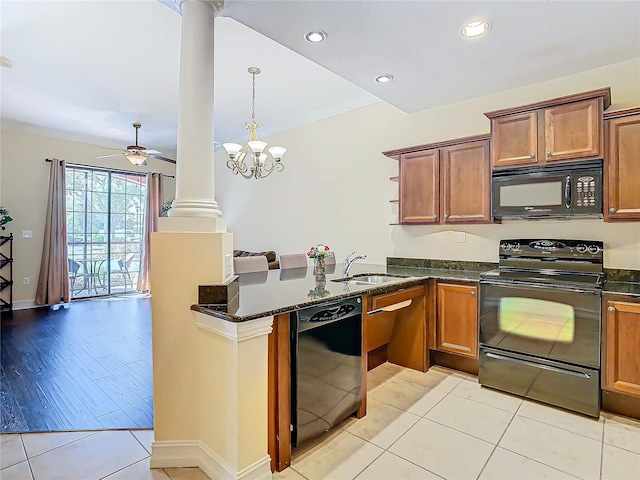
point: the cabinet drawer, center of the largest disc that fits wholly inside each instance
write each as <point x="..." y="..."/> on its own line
<point x="389" y="299"/>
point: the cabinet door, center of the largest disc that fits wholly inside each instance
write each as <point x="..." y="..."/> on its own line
<point x="466" y="183"/>
<point x="515" y="140"/>
<point x="622" y="337"/>
<point x="573" y="131"/>
<point x="419" y="187"/>
<point x="402" y="326"/>
<point x="457" y="319"/>
<point x="623" y="172"/>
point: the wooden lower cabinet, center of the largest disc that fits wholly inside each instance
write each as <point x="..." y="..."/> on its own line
<point x="395" y="328"/>
<point x="456" y="320"/>
<point x="279" y="394"/>
<point x="621" y="359"/>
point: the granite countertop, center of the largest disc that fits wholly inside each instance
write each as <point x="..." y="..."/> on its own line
<point x="629" y="289"/>
<point x="279" y="291"/>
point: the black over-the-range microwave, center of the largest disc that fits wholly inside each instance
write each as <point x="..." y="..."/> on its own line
<point x="551" y="191"/>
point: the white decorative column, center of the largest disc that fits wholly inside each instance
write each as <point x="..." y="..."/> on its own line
<point x="194" y="166"/>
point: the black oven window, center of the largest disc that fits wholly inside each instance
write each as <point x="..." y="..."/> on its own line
<point x="538" y="319"/>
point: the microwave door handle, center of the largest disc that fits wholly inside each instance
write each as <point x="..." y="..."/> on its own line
<point x="567" y="192"/>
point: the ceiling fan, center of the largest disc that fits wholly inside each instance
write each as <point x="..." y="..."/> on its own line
<point x="137" y="154"/>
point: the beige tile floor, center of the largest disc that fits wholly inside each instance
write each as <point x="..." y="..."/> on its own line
<point x="441" y="424"/>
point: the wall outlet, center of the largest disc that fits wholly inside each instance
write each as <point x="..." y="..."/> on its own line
<point x="26" y="281"/>
<point x="228" y="265"/>
<point x="27" y="234"/>
<point x="462" y="237"/>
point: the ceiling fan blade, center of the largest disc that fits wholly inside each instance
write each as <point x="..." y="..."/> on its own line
<point x="164" y="159"/>
<point x="108" y="156"/>
<point x="151" y="151"/>
<point x="109" y="148"/>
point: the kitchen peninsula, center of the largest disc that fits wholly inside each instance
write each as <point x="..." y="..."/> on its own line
<point x="440" y="326"/>
<point x="397" y="324"/>
<point x="281" y="291"/>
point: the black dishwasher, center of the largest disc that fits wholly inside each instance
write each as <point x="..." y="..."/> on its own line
<point x="326" y="367"/>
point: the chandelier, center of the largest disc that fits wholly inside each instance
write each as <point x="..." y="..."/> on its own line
<point x="260" y="164"/>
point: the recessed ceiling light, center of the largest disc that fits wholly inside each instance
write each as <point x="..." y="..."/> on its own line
<point x="384" y="78"/>
<point x="475" y="28"/>
<point x="316" y="36"/>
<point x="6" y="62"/>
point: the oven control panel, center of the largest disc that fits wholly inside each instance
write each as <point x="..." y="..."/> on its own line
<point x="565" y="249"/>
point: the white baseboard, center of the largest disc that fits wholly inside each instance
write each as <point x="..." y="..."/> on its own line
<point x="24" y="304"/>
<point x="181" y="454"/>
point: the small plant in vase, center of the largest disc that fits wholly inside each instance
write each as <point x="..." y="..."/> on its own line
<point x="4" y="217"/>
<point x="319" y="253"/>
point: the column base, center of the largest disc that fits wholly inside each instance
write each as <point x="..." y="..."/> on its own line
<point x="195" y="207"/>
<point x="192" y="224"/>
<point x="184" y="454"/>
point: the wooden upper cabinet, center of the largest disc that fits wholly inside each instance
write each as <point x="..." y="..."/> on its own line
<point x="457" y="319"/>
<point x="515" y="140"/>
<point x="573" y="131"/>
<point x="622" y="337"/>
<point x="420" y="187"/>
<point x="466" y="179"/>
<point x="451" y="178"/>
<point x="622" y="174"/>
<point x="558" y="130"/>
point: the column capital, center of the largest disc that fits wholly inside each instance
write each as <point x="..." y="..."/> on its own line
<point x="217" y="5"/>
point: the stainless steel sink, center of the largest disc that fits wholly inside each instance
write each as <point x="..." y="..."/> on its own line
<point x="371" y="279"/>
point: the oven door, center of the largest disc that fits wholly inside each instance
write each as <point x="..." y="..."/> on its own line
<point x="559" y="324"/>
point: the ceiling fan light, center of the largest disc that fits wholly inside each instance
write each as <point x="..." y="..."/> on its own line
<point x="475" y="28"/>
<point x="136" y="158"/>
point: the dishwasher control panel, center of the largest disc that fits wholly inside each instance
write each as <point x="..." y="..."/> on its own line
<point x="331" y="312"/>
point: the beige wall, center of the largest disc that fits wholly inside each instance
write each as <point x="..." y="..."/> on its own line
<point x="335" y="188"/>
<point x="24" y="183"/>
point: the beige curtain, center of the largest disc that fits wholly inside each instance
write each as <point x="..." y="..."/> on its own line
<point x="151" y="215"/>
<point x="53" y="283"/>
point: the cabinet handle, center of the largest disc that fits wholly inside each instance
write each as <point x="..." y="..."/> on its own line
<point x="612" y="210"/>
<point x="472" y="292"/>
<point x="446" y="216"/>
<point x="435" y="217"/>
<point x="391" y="308"/>
<point x="532" y="155"/>
<point x="611" y="309"/>
<point x="549" y="154"/>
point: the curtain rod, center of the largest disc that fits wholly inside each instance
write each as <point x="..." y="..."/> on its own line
<point x="117" y="170"/>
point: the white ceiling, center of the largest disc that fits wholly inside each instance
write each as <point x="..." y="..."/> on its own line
<point x="85" y="70"/>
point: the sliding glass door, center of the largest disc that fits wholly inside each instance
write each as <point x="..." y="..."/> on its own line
<point x="105" y="219"/>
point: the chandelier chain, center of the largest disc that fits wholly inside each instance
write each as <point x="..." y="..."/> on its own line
<point x="253" y="100"/>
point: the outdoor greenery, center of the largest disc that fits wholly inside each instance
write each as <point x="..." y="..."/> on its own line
<point x="100" y="203"/>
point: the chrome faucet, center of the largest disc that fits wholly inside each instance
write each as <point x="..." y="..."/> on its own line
<point x="346" y="265"/>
